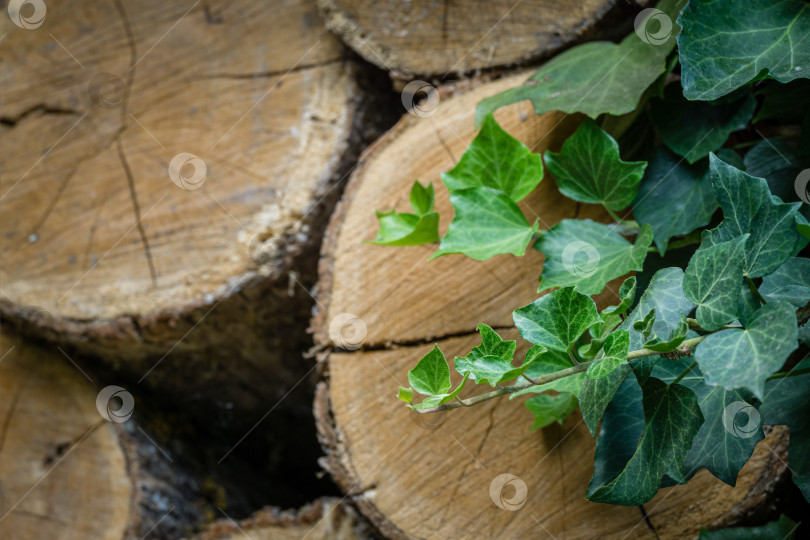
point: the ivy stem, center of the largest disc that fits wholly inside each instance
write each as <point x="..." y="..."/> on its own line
<point x="784" y="374"/>
<point x="756" y="291"/>
<point x="683" y="374"/>
<point x="543" y="379"/>
<point x="687" y="240"/>
<point x="694" y="325"/>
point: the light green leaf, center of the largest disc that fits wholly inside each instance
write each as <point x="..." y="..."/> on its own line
<point x="422" y="198"/>
<point x="786" y="402"/>
<point x="722" y="450"/>
<point x="401" y="229"/>
<point x="497" y="160"/>
<point x="587" y="254"/>
<point x="556" y="320"/>
<point x="548" y="409"/>
<point x="627" y="295"/>
<point x="405" y="394"/>
<point x="804" y="229"/>
<point x="672" y="418"/>
<point x="693" y="129"/>
<point x="744" y="358"/>
<point x="749" y="208"/>
<point x="726" y="44"/>
<point x="676" y="337"/>
<point x="542" y="362"/>
<point x="487" y="223"/>
<point x="596" y="77"/>
<point x="790" y="282"/>
<point x="616" y="348"/>
<point x="431" y="375"/>
<point x="588" y="169"/>
<point x="712" y="281"/>
<point x="489" y="362"/>
<point x="783" y="529"/>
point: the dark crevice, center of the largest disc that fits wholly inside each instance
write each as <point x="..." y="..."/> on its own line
<point x="647" y="521"/>
<point x="42" y="109"/>
<point x="371" y="347"/>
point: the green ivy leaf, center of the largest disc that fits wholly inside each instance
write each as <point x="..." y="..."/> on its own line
<point x="744" y="358"/>
<point x="403" y="229"/>
<point x="491" y="361"/>
<point x="804" y="334"/>
<point x="486" y="223"/>
<point x="693" y="129"/>
<point x="542" y="362"/>
<point x="783" y="529"/>
<point x="749" y="208"/>
<point x="593" y="78"/>
<point x="627" y="295"/>
<point x="431" y="375"/>
<point x="616" y="348"/>
<point x="790" y="282"/>
<point x="712" y="281"/>
<point x="497" y="160"/>
<point x="405" y="394"/>
<point x="804" y="229"/>
<point x="783" y="101"/>
<point x="588" y="169"/>
<point x="726" y="44"/>
<point x="723" y="451"/>
<point x="785" y="402"/>
<point x="548" y="409"/>
<point x="422" y="198"/>
<point x="556" y="320"/>
<point x="676" y="337"/>
<point x="587" y="254"/>
<point x="672" y="418"/>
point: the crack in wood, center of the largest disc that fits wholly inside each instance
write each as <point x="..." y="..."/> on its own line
<point x="12" y="121"/>
<point x="392" y="344"/>
<point x="273" y="73"/>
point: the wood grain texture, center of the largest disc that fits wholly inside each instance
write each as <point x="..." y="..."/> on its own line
<point x="102" y="250"/>
<point x="428" y="476"/>
<point x="63" y="470"/>
<point x="432" y="37"/>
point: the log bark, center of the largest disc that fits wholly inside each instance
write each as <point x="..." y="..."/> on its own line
<point x="116" y="248"/>
<point x="431" y="38"/>
<point x="324" y="519"/>
<point x="428" y="476"/>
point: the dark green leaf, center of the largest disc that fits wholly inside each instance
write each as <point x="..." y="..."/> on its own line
<point x="588" y="169"/>
<point x="726" y="44"/>
<point x="548" y="409"/>
<point x="790" y="282"/>
<point x="712" y="281"/>
<point x="749" y="208"/>
<point x="673" y="340"/>
<point x="431" y="375"/>
<point x="596" y="394"/>
<point x="617" y="345"/>
<point x="672" y="418"/>
<point x="594" y="78"/>
<point x="804" y="334"/>
<point x="556" y="320"/>
<point x="743" y="358"/>
<point x="497" y="160"/>
<point x="783" y="529"/>
<point x="587" y="254"/>
<point x="693" y="129"/>
<point x="487" y="223"/>
<point x="783" y="101"/>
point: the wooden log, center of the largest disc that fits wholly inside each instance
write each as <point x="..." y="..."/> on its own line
<point x="168" y="169"/>
<point x="430" y="38"/>
<point x="429" y="476"/>
<point x="324" y="519"/>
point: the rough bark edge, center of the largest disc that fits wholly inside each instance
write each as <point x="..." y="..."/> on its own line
<point x="308" y="515"/>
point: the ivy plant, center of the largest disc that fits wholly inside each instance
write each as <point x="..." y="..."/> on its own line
<point x="672" y="146"/>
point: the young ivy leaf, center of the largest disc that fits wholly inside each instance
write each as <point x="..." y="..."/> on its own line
<point x="595" y="78"/>
<point x="548" y="409"/>
<point x="403" y="229"/>
<point x="486" y="223"/>
<point x="737" y="358"/>
<point x="539" y="362"/>
<point x="712" y="281"/>
<point x="491" y="361"/>
<point x="588" y="169"/>
<point x="627" y="295"/>
<point x="431" y="375"/>
<point x="405" y="394"/>
<point x="726" y="44"/>
<point x="786" y="403"/>
<point x="804" y="229"/>
<point x="672" y="418"/>
<point x="676" y="337"/>
<point x="790" y="282"/>
<point x="693" y="129"/>
<point x="749" y="208"/>
<point x="645" y="325"/>
<point x="617" y="345"/>
<point x="556" y="320"/>
<point x="497" y="160"/>
<point x="587" y="254"/>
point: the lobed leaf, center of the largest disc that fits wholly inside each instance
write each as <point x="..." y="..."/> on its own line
<point x="556" y="320"/>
